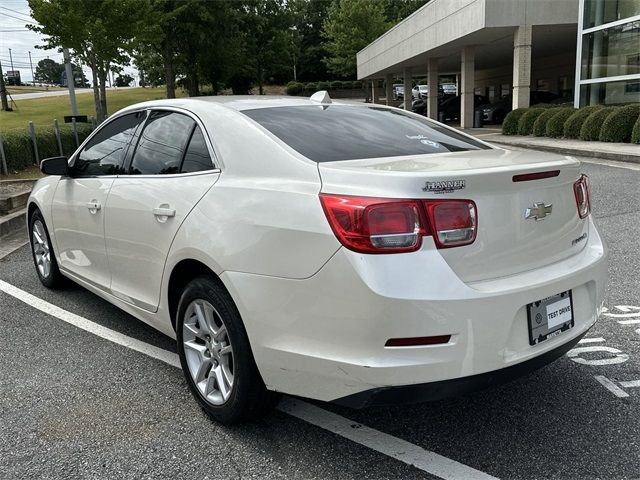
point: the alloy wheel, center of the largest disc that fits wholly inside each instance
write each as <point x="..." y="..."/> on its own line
<point x="41" y="249"/>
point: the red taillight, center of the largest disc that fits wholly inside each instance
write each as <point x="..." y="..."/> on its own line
<point x="583" y="200"/>
<point x="454" y="221"/>
<point x="383" y="225"/>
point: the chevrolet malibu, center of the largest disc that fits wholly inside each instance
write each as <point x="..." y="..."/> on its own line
<point x="356" y="254"/>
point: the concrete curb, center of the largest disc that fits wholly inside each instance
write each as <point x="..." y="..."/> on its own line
<point x="13" y="222"/>
<point x="607" y="155"/>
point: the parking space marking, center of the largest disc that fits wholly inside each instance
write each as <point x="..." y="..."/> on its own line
<point x="386" y="444"/>
<point x="89" y="326"/>
<point x="612" y="387"/>
<point x="631" y="384"/>
<point x="389" y="445"/>
<point x="592" y="340"/>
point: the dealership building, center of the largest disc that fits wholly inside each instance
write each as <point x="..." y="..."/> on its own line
<point x="585" y="50"/>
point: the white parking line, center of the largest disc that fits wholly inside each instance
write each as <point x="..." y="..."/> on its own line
<point x="612" y="387"/>
<point x="592" y="340"/>
<point x="389" y="445"/>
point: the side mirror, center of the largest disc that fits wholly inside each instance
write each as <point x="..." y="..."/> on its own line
<point x="55" y="166"/>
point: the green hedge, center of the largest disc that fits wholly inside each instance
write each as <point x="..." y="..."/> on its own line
<point x="323" y="86"/>
<point x="510" y="124"/>
<point x="19" y="151"/>
<point x="591" y="127"/>
<point x="555" y="125"/>
<point x="540" y="125"/>
<point x="619" y="125"/>
<point x="335" y="84"/>
<point x="294" y="88"/>
<point x="574" y="123"/>
<point x="357" y="84"/>
<point x="635" y="134"/>
<point x="311" y="86"/>
<point x="525" y="124"/>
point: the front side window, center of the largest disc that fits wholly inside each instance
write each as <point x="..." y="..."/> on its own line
<point x="104" y="153"/>
<point x="341" y="132"/>
<point x="162" y="144"/>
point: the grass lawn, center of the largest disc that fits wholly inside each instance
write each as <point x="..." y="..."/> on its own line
<point x="13" y="90"/>
<point x="27" y="173"/>
<point x="42" y="111"/>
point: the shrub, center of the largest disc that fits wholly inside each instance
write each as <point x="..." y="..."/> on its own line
<point x="525" y="123"/>
<point x="357" y="84"/>
<point x="335" y="84"/>
<point x="323" y="86"/>
<point x="591" y="127"/>
<point x="311" y="86"/>
<point x="540" y="125"/>
<point x="510" y="123"/>
<point x="294" y="88"/>
<point x="347" y="84"/>
<point x="619" y="125"/>
<point x="573" y="124"/>
<point x="19" y="151"/>
<point x="635" y="134"/>
<point x="555" y="125"/>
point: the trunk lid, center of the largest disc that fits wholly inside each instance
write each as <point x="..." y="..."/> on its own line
<point x="507" y="243"/>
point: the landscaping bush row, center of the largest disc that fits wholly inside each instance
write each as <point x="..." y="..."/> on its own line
<point x="18" y="148"/>
<point x="598" y="122"/>
<point x="296" y="88"/>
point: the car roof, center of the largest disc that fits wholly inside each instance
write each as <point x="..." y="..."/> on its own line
<point x="235" y="102"/>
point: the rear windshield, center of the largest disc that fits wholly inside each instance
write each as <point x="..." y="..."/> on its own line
<point x="340" y="132"/>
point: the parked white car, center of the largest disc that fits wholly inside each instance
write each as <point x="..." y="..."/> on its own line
<point x="351" y="253"/>
<point x="420" y="91"/>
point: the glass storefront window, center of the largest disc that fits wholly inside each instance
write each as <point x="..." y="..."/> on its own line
<point x="608" y="93"/>
<point x="599" y="12"/>
<point x="612" y="51"/>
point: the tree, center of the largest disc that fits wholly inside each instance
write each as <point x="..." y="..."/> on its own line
<point x="99" y="32"/>
<point x="309" y="15"/>
<point x="350" y="26"/>
<point x="397" y="10"/>
<point x="123" y="80"/>
<point x="49" y="71"/>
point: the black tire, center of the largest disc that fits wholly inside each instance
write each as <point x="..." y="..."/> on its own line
<point x="248" y="399"/>
<point x="52" y="278"/>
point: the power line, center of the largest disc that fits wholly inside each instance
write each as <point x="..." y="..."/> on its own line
<point x="19" y="13"/>
<point x="21" y="19"/>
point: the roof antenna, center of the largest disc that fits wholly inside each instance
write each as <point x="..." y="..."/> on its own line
<point x="321" y="97"/>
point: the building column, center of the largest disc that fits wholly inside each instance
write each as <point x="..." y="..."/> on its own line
<point x="467" y="83"/>
<point x="432" y="85"/>
<point x="407" y="89"/>
<point x="374" y="91"/>
<point x="521" y="66"/>
<point x="388" y="88"/>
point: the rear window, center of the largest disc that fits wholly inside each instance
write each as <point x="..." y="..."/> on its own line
<point x="339" y="132"/>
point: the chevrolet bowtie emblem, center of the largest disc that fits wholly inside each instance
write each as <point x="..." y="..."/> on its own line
<point x="538" y="211"/>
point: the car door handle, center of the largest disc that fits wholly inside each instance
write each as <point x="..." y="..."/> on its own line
<point x="164" y="212"/>
<point x="94" y="206"/>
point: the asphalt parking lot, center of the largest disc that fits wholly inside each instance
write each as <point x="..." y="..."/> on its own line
<point x="76" y="405"/>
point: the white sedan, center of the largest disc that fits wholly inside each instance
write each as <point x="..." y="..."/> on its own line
<point x="356" y="254"/>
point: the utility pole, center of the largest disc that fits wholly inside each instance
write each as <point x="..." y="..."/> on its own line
<point x="33" y="78"/>
<point x="3" y="92"/>
<point x="70" y="82"/>
<point x="11" y="58"/>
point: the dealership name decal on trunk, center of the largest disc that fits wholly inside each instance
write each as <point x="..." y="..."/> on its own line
<point x="444" y="186"/>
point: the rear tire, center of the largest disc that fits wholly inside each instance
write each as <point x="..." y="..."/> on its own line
<point x="44" y="258"/>
<point x="216" y="356"/>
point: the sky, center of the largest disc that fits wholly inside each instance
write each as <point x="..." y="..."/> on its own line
<point x="14" y="15"/>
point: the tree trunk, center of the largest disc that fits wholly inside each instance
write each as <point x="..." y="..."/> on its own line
<point x="96" y="97"/>
<point x="169" y="75"/>
<point x="103" y="93"/>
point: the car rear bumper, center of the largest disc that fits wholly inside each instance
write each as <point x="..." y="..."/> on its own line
<point x="324" y="337"/>
<point x="432" y="391"/>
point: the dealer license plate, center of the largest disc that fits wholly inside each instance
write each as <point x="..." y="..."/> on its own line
<point x="550" y="317"/>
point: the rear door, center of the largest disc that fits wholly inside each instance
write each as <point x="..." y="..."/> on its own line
<point x="79" y="200"/>
<point x="171" y="169"/>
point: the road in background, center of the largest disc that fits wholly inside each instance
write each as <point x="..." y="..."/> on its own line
<point x="73" y="404"/>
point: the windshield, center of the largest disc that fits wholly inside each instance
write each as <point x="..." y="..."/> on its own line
<point x="340" y="132"/>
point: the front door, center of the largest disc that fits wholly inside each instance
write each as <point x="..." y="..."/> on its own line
<point x="78" y="207"/>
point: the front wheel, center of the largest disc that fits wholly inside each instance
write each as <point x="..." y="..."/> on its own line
<point x="216" y="356"/>
<point x="42" y="251"/>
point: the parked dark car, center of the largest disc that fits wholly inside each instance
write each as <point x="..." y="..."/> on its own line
<point x="451" y="107"/>
<point x="495" y="112"/>
<point x="420" y="105"/>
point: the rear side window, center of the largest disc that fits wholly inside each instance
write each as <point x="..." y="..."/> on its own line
<point x="104" y="153"/>
<point x="341" y="132"/>
<point x="197" y="157"/>
<point x="162" y="144"/>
